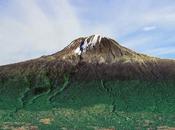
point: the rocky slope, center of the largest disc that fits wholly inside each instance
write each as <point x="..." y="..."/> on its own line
<point x="91" y="58"/>
<point x="98" y="49"/>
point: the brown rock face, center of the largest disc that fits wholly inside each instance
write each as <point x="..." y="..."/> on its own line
<point x="93" y="58"/>
<point x="98" y="49"/>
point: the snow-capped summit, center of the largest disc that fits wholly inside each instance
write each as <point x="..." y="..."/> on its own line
<point x="88" y="43"/>
<point x="97" y="49"/>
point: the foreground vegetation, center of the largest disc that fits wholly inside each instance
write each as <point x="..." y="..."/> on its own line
<point x="95" y="105"/>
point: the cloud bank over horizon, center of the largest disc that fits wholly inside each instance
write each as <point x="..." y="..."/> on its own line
<point x="32" y="28"/>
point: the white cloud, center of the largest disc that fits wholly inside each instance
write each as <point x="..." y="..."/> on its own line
<point x="126" y="17"/>
<point x="149" y="28"/>
<point x="32" y="31"/>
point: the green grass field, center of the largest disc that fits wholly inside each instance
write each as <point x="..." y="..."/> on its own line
<point x="95" y="105"/>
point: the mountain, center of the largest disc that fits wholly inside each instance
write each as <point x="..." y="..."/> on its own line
<point x="95" y="57"/>
<point x="92" y="84"/>
<point x="98" y="49"/>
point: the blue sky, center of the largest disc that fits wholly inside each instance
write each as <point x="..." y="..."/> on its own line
<point x="31" y="28"/>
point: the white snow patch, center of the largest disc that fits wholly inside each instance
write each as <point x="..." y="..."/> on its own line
<point x="78" y="51"/>
<point x="100" y="39"/>
<point x="85" y="45"/>
<point x="94" y="40"/>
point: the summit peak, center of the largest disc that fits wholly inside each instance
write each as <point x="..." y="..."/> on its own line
<point x="97" y="49"/>
<point x="87" y="43"/>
